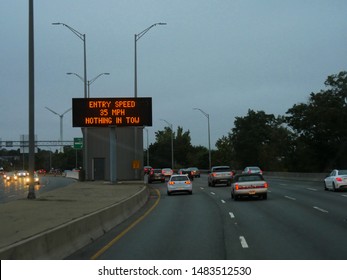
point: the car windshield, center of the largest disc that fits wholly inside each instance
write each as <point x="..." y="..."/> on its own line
<point x="179" y="178"/>
<point x="249" y="178"/>
<point x="157" y="170"/>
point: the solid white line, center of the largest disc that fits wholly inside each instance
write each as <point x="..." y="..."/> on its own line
<point x="289" y="197"/>
<point x="320" y="209"/>
<point x="311" y="189"/>
<point x="232" y="216"/>
<point x="345" y="195"/>
<point x="243" y="242"/>
<point x="212" y="193"/>
<point x="223" y="201"/>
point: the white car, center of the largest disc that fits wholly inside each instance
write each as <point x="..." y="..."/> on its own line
<point x="337" y="180"/>
<point x="249" y="185"/>
<point x="179" y="183"/>
<point x="252" y="169"/>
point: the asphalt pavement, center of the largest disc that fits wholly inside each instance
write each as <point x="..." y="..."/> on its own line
<point x="59" y="222"/>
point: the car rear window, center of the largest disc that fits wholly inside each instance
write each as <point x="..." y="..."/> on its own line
<point x="221" y="169"/>
<point x="179" y="178"/>
<point x="157" y="170"/>
<point x="250" y="178"/>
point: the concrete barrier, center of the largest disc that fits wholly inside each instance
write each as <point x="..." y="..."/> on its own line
<point x="62" y="241"/>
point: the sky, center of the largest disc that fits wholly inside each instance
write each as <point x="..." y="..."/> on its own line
<point x="222" y="56"/>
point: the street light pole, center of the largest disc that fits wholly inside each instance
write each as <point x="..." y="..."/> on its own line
<point x="209" y="135"/>
<point x="136" y="38"/>
<point x="84" y="129"/>
<point x="61" y="124"/>
<point x="88" y="82"/>
<point x="172" y="150"/>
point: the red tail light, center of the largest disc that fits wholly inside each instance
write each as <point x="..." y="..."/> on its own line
<point x="339" y="179"/>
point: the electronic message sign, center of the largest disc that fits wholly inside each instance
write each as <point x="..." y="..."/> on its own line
<point x="103" y="112"/>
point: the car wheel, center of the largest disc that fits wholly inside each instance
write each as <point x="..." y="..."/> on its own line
<point x="168" y="193"/>
<point x="265" y="196"/>
<point x="236" y="197"/>
<point x="213" y="184"/>
<point x="229" y="184"/>
<point x="325" y="186"/>
<point x="334" y="188"/>
<point x="209" y="183"/>
<point x="191" y="192"/>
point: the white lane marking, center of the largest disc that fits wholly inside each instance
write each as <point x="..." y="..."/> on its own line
<point x="289" y="197"/>
<point x="202" y="188"/>
<point x="232" y="216"/>
<point x="212" y="193"/>
<point x="345" y="195"/>
<point x="223" y="201"/>
<point x="311" y="189"/>
<point x="243" y="242"/>
<point x="320" y="209"/>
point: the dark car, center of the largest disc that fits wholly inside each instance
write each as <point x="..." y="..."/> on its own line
<point x="156" y="175"/>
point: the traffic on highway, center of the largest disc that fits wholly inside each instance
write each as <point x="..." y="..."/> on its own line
<point x="298" y="220"/>
<point x="13" y="187"/>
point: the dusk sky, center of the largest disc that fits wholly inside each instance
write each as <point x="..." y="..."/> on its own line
<point x="222" y="56"/>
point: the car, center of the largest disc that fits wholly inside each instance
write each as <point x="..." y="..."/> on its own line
<point x="336" y="180"/>
<point x="22" y="173"/>
<point x="10" y="176"/>
<point x="147" y="169"/>
<point x="195" y="171"/>
<point x="220" y="175"/>
<point x="167" y="172"/>
<point x="156" y="175"/>
<point x="179" y="183"/>
<point x="36" y="179"/>
<point x="249" y="185"/>
<point x="252" y="170"/>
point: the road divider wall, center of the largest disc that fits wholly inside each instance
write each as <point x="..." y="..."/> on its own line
<point x="62" y="241"/>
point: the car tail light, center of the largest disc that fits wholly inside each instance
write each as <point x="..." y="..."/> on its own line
<point x="339" y="179"/>
<point x="236" y="186"/>
<point x="171" y="183"/>
<point x="187" y="182"/>
<point x="214" y="174"/>
<point x="266" y="185"/>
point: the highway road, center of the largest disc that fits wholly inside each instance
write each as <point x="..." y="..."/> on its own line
<point x="299" y="220"/>
<point x="14" y="190"/>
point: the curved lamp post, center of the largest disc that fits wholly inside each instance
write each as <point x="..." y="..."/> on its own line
<point x="209" y="137"/>
<point x="61" y="124"/>
<point x="84" y="129"/>
<point x="88" y="82"/>
<point x="138" y="37"/>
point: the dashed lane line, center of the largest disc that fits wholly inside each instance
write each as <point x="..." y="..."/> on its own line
<point x="320" y="209"/>
<point x="289" y="197"/>
<point x="243" y="242"/>
<point x="212" y="193"/>
<point x="312" y="189"/>
<point x="223" y="201"/>
<point x="231" y="214"/>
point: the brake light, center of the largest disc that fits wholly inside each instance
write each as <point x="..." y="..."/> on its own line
<point x="214" y="174"/>
<point x="171" y="183"/>
<point x="236" y="186"/>
<point x="266" y="185"/>
<point x="339" y="179"/>
<point x="187" y="182"/>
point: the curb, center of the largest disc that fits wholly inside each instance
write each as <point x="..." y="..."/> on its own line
<point x="62" y="241"/>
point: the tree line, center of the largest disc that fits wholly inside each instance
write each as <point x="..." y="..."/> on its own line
<point x="310" y="137"/>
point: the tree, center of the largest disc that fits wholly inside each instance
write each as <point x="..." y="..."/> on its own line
<point x="256" y="139"/>
<point x="320" y="127"/>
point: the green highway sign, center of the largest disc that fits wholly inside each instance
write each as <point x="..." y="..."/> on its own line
<point x="78" y="143"/>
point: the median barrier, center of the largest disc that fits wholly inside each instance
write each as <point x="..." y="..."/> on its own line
<point x="59" y="242"/>
<point x="296" y="175"/>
